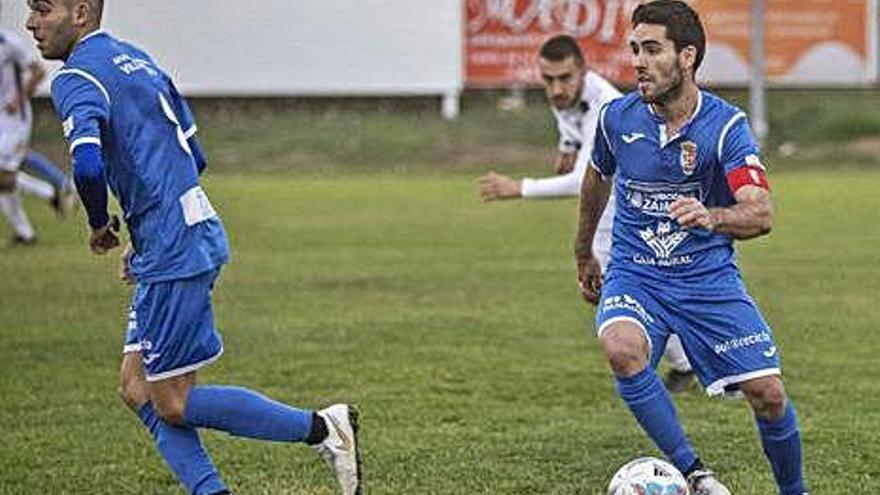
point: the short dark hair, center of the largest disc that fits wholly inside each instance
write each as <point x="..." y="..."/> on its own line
<point x="560" y="47"/>
<point x="682" y="23"/>
<point x="96" y="6"/>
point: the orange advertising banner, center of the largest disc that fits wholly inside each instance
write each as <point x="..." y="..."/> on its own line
<point x="503" y="37"/>
<point x="806" y="41"/>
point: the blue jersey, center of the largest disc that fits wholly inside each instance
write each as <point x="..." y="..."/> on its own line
<point x="651" y="170"/>
<point x="112" y="94"/>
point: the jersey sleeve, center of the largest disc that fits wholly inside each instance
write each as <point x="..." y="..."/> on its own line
<point x="738" y="155"/>
<point x="602" y="157"/>
<point x="83" y="106"/>
<point x="556" y="186"/>
<point x="187" y="122"/>
<point x="182" y="111"/>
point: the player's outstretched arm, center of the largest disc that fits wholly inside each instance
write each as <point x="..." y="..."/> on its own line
<point x="751" y="216"/>
<point x="594" y="196"/>
<point x="494" y="186"/>
<point x="559" y="186"/>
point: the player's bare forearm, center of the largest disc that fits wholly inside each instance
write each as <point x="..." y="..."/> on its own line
<point x="751" y="216"/>
<point x="594" y="196"/>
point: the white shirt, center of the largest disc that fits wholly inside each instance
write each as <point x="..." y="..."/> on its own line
<point x="16" y="58"/>
<point x="577" y="129"/>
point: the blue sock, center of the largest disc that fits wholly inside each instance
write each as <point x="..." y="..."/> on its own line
<point x="650" y="403"/>
<point x="183" y="451"/>
<point x="782" y="445"/>
<point x="42" y="167"/>
<point x="245" y="413"/>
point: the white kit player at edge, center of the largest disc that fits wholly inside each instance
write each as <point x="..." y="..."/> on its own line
<point x="20" y="74"/>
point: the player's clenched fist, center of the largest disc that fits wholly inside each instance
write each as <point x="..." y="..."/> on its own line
<point x="104" y="238"/>
<point x="690" y="213"/>
<point x="590" y="279"/>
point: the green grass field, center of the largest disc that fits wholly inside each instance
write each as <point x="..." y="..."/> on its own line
<point x="456" y="327"/>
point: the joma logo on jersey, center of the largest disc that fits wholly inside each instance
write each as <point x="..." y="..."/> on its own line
<point x="654" y="199"/>
<point x="688" y="157"/>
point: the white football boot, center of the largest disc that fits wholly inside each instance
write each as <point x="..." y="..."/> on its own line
<point x="703" y="482"/>
<point x="340" y="448"/>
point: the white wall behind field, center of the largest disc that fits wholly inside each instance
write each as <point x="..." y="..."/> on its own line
<point x="292" y="47"/>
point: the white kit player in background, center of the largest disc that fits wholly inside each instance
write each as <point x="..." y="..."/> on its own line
<point x="20" y="73"/>
<point x="576" y="95"/>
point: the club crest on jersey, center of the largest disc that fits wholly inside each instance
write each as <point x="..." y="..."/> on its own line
<point x="688" y="158"/>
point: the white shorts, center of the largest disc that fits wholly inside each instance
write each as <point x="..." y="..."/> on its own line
<point x="14" y="141"/>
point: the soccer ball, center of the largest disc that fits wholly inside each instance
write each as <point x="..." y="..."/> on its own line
<point x="648" y="476"/>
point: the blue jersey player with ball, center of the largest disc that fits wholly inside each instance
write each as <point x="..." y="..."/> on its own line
<point x="128" y="128"/>
<point x="688" y="182"/>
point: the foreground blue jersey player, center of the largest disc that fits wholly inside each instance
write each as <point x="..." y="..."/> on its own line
<point x="129" y="128"/>
<point x="688" y="181"/>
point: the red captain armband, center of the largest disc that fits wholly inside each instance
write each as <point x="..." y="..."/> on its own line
<point x="748" y="175"/>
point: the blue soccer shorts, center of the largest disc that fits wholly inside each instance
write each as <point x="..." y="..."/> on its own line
<point x="172" y="325"/>
<point x="722" y="330"/>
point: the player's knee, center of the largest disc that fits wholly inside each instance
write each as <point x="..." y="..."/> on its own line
<point x="626" y="350"/>
<point x="767" y="397"/>
<point x="133" y="393"/>
<point x="171" y="410"/>
<point x="774" y="402"/>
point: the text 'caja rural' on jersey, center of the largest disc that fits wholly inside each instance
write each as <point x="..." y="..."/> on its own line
<point x="113" y="94"/>
<point x="709" y="156"/>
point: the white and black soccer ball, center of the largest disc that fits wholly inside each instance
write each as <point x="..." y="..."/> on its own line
<point x="648" y="476"/>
